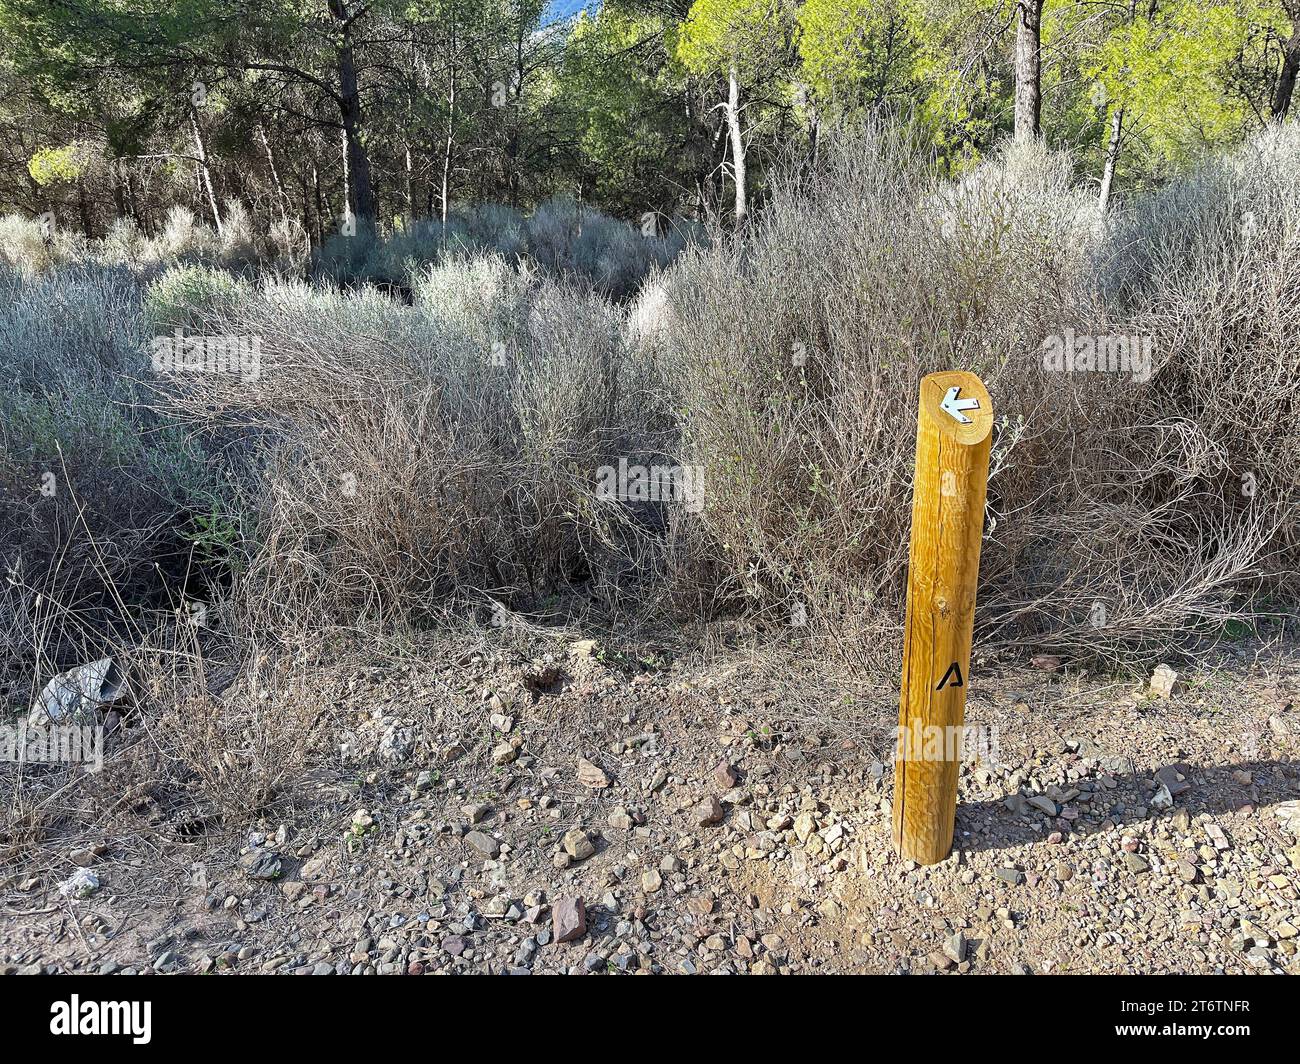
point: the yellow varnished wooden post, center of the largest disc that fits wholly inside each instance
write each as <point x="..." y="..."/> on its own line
<point x="952" y="468"/>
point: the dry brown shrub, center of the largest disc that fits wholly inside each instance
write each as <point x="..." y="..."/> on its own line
<point x="1116" y="526"/>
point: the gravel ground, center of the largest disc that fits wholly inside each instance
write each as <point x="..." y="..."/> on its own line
<point x="593" y="814"/>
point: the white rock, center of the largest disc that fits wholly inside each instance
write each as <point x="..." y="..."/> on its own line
<point x="1289" y="814"/>
<point x="82" y="883"/>
<point x="1164" y="682"/>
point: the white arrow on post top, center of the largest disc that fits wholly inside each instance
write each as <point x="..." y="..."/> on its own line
<point x="953" y="406"/>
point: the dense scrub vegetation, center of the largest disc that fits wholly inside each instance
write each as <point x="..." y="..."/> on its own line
<point x="338" y="318"/>
<point x="391" y="453"/>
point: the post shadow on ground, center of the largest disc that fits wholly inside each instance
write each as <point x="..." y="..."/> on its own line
<point x="1213" y="790"/>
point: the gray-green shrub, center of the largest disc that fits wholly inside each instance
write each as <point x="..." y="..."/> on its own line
<point x="96" y="488"/>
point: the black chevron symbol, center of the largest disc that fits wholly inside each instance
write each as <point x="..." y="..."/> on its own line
<point x="954" y="672"/>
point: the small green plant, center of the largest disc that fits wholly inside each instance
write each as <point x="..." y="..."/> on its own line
<point x="193" y="298"/>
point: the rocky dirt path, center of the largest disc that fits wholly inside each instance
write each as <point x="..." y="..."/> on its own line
<point x="588" y="818"/>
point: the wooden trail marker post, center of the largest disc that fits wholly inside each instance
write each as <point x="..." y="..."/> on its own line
<point x="953" y="433"/>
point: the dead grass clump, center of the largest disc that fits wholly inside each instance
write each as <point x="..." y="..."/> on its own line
<point x="406" y="451"/>
<point x="245" y="731"/>
<point x="1114" y="526"/>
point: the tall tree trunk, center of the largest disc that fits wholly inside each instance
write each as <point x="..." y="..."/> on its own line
<point x="515" y="139"/>
<point x="408" y="185"/>
<point x="35" y="195"/>
<point x="737" y="143"/>
<point x="1029" y="69"/>
<point x="701" y="160"/>
<point x="361" y="189"/>
<point x="1290" y="69"/>
<point x="83" y="207"/>
<point x="119" y="197"/>
<point x="1116" y="140"/>
<point x="306" y="216"/>
<point x="133" y="203"/>
<point x="718" y="174"/>
<point x="1112" y="157"/>
<point x="447" y="151"/>
<point x="349" y="214"/>
<point x="205" y="173"/>
<point x="320" y="205"/>
<point x="275" y="172"/>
